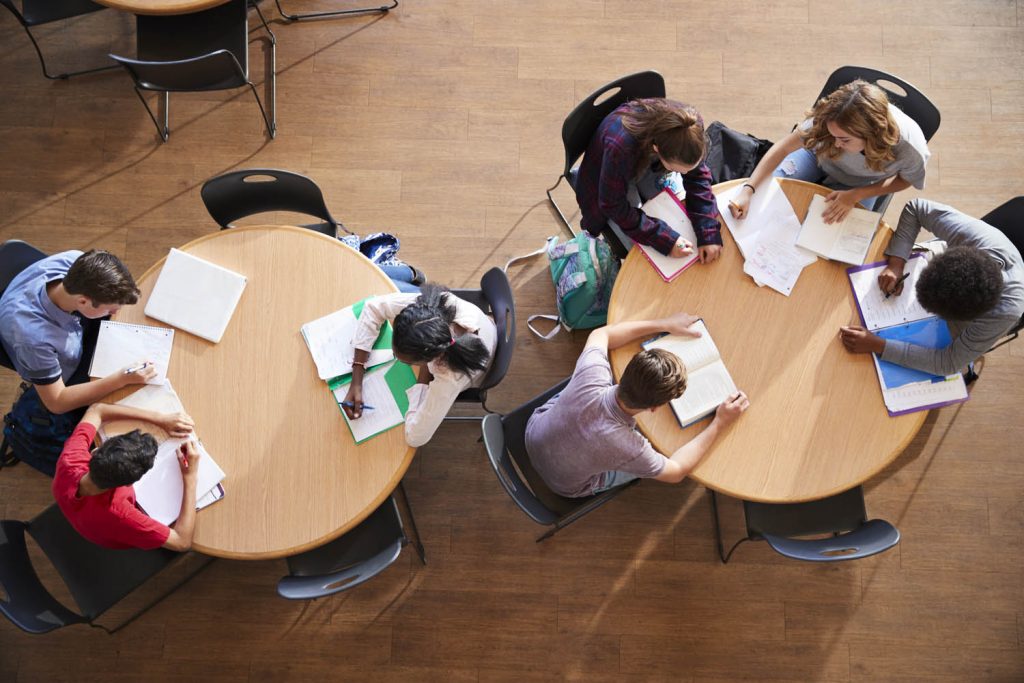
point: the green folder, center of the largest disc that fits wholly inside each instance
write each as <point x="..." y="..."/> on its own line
<point x="398" y="378"/>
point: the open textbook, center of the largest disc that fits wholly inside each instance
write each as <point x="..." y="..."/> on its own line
<point x="384" y="388"/>
<point x="902" y="318"/>
<point x="846" y="240"/>
<point x="666" y="207"/>
<point x="708" y="381"/>
<point x="330" y="342"/>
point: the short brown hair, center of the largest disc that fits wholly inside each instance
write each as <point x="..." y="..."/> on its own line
<point x="653" y="378"/>
<point x="676" y="129"/>
<point x="102" y="277"/>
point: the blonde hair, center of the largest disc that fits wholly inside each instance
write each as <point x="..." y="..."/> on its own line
<point x="653" y="378"/>
<point x="861" y="109"/>
<point x="675" y="128"/>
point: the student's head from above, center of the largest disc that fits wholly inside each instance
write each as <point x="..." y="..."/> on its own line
<point x="854" y="118"/>
<point x="100" y="284"/>
<point x="674" y="133"/>
<point x="651" y="379"/>
<point x="423" y="334"/>
<point x="122" y="460"/>
<point x="962" y="283"/>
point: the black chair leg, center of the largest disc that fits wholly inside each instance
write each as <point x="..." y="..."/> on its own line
<point x="722" y="555"/>
<point x="558" y="209"/>
<point x="416" y="542"/>
<point x="68" y="74"/>
<point x="383" y="9"/>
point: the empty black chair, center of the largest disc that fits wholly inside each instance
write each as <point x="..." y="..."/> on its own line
<point x="15" y="256"/>
<point x="581" y="124"/>
<point x="238" y="194"/>
<point x="494" y="298"/>
<point x="97" y="578"/>
<point x="842" y="520"/>
<point x="198" y="52"/>
<point x="505" y="440"/>
<point x="37" y="12"/>
<point x="1009" y="219"/>
<point x="912" y="101"/>
<point x="384" y="9"/>
<point x="351" y="559"/>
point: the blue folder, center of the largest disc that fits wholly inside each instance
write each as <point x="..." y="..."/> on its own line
<point x="932" y="333"/>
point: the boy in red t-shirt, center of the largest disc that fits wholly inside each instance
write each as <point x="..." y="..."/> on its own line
<point x="94" y="489"/>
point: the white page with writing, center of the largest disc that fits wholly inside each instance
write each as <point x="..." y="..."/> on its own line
<point x="122" y="345"/>
<point x="159" y="490"/>
<point x="846" y="240"/>
<point x="330" y="343"/>
<point x="706" y="389"/>
<point x="879" y="312"/>
<point x="694" y="352"/>
<point x="768" y="206"/>
<point x="376" y="392"/>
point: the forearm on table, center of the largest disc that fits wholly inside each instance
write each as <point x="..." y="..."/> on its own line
<point x="620" y="334"/>
<point x="185" y="525"/>
<point x="690" y="454"/>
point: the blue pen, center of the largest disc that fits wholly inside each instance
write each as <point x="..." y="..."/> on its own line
<point x="349" y="404"/>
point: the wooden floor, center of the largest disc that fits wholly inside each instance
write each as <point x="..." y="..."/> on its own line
<point x="440" y="122"/>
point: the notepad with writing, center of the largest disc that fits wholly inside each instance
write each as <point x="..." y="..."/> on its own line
<point x="667" y="207"/>
<point x="384" y="388"/>
<point x="708" y="381"/>
<point x="195" y="295"/>
<point x="846" y="240"/>
<point x="902" y="318"/>
<point x="123" y="345"/>
<point x="330" y="342"/>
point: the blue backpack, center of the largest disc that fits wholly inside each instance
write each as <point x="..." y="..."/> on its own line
<point x="33" y="434"/>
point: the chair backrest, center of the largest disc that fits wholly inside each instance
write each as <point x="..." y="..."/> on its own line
<point x="36" y="12"/>
<point x="583" y="121"/>
<point x="870" y="538"/>
<point x="218" y="70"/>
<point x="1009" y="219"/>
<point x="911" y="100"/>
<point x="349" y="560"/>
<point x="497" y="290"/>
<point x="15" y="256"/>
<point x="238" y="194"/>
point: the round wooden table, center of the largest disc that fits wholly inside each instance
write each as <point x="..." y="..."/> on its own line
<point x="295" y="478"/>
<point x="161" y="6"/>
<point x="816" y="425"/>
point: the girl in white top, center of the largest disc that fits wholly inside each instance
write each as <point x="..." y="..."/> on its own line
<point x="448" y="341"/>
<point x="853" y="141"/>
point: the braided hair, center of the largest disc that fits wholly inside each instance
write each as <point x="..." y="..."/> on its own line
<point x="422" y="333"/>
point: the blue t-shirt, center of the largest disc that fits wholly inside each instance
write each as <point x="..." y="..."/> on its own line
<point x="44" y="342"/>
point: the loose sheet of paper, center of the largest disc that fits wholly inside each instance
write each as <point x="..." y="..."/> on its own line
<point x="159" y="490"/>
<point x="376" y="392"/>
<point x="330" y="343"/>
<point x="121" y="345"/>
<point x="877" y="311"/>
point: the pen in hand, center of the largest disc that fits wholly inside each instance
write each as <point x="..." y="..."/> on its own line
<point x="350" y="404"/>
<point x="136" y="368"/>
<point x="897" y="285"/>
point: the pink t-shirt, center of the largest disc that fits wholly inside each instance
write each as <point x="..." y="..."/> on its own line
<point x="110" y="519"/>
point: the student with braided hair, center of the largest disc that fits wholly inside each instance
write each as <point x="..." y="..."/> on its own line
<point x="448" y="342"/>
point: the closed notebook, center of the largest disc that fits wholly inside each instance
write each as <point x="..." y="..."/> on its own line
<point x="195" y="295"/>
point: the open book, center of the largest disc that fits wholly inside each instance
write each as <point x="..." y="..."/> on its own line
<point x="902" y="318"/>
<point x="846" y="240"/>
<point x="666" y="207"/>
<point x="708" y="381"/>
<point x="121" y="345"/>
<point x="384" y="388"/>
<point x="330" y="342"/>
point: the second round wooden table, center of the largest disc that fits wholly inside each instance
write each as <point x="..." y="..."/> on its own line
<point x="816" y="425"/>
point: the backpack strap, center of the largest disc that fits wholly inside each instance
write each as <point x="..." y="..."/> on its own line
<point x="535" y="252"/>
<point x="545" y="316"/>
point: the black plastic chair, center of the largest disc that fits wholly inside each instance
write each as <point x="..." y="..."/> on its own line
<point x="505" y="440"/>
<point x="97" y="578"/>
<point x="238" y="194"/>
<point x="494" y="298"/>
<point x="842" y="519"/>
<point x="581" y="124"/>
<point x="911" y="101"/>
<point x="15" y="256"/>
<point x="198" y="52"/>
<point x="383" y="9"/>
<point x="353" y="558"/>
<point x="1009" y="219"/>
<point x="38" y="12"/>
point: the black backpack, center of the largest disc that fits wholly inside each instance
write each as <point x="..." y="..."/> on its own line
<point x="732" y="154"/>
<point x="35" y="435"/>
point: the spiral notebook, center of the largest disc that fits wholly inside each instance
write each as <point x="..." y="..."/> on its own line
<point x="122" y="345"/>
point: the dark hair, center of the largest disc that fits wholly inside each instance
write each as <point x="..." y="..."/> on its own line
<point x="676" y="129"/>
<point x="122" y="460"/>
<point x="653" y="378"/>
<point x="960" y="284"/>
<point x="422" y="333"/>
<point x="102" y="277"/>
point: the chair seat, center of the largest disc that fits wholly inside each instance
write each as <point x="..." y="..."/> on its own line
<point x="839" y="513"/>
<point x="36" y="12"/>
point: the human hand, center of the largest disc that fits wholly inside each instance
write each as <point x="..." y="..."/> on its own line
<point x="188" y="461"/>
<point x="740" y="204"/>
<point x="353" y="403"/>
<point x="710" y="252"/>
<point x="858" y="340"/>
<point x="680" y="324"/>
<point x="681" y="248"/>
<point x="839" y="203"/>
<point x="891" y="279"/>
<point x="140" y="373"/>
<point x="178" y="425"/>
<point x="732" y="408"/>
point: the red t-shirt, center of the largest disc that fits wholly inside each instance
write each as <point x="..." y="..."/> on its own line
<point x="110" y="519"/>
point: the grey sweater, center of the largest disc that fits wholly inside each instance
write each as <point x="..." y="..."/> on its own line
<point x="971" y="338"/>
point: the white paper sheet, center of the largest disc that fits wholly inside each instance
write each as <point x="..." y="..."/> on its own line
<point x="121" y="345"/>
<point x="879" y="312"/>
<point x="330" y="343"/>
<point x="376" y="392"/>
<point x="159" y="490"/>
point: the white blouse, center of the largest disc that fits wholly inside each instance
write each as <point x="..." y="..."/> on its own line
<point x="428" y="404"/>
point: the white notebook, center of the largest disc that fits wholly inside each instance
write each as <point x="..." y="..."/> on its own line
<point x="666" y="207"/>
<point x="195" y="295"/>
<point x="159" y="490"/>
<point x="846" y="240"/>
<point x="121" y="345"/>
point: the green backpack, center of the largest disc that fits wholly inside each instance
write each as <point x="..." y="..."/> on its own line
<point x="583" y="270"/>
